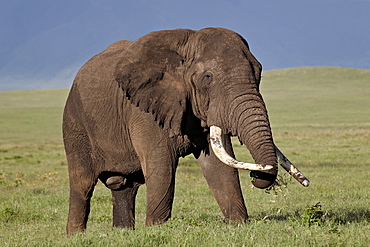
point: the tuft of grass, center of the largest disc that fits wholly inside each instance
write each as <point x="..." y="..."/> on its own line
<point x="313" y="215"/>
<point x="8" y="214"/>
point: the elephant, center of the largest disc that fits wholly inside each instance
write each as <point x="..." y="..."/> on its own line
<point x="137" y="107"/>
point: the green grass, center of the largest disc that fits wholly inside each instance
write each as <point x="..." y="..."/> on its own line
<point x="320" y="119"/>
<point x="31" y="116"/>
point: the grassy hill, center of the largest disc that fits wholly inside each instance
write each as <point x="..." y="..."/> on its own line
<point x="31" y="116"/>
<point x="317" y="96"/>
<point x="295" y="98"/>
<point x="320" y="118"/>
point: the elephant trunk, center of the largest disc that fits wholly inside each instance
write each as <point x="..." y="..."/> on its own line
<point x="253" y="129"/>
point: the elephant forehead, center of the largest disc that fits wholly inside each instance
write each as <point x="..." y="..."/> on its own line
<point x="205" y="64"/>
<point x="224" y="48"/>
<point x="222" y="65"/>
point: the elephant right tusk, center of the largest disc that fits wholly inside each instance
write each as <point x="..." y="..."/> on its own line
<point x="291" y="169"/>
<point x="222" y="155"/>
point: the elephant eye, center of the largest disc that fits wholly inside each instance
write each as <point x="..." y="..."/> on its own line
<point x="207" y="77"/>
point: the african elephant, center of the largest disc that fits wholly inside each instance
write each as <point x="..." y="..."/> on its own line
<point x="137" y="107"/>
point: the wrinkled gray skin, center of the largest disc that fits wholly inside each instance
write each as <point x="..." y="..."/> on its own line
<point x="135" y="108"/>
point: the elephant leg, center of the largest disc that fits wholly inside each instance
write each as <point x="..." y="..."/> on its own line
<point x="157" y="154"/>
<point x="158" y="161"/>
<point x="81" y="190"/>
<point x="124" y="207"/>
<point x="160" y="183"/>
<point x="82" y="180"/>
<point x="224" y="183"/>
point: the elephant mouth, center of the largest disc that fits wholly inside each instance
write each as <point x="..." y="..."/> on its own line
<point x="223" y="156"/>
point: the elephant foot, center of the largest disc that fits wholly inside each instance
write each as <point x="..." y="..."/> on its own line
<point x="74" y="229"/>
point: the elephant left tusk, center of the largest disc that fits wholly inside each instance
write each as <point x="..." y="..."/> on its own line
<point x="222" y="155"/>
<point x="291" y="169"/>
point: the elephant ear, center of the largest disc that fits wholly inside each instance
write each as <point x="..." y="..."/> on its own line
<point x="150" y="74"/>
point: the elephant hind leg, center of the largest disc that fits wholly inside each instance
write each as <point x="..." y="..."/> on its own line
<point x="82" y="180"/>
<point x="79" y="209"/>
<point x="124" y="189"/>
<point x="124" y="206"/>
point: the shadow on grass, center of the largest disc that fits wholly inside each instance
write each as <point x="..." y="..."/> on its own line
<point x="339" y="216"/>
<point x="343" y="216"/>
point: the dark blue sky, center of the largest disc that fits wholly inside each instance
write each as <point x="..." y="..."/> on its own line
<point x="43" y="43"/>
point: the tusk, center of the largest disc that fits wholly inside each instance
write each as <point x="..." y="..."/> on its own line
<point x="290" y="168"/>
<point x="222" y="155"/>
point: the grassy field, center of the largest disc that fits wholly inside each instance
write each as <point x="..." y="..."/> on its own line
<point x="320" y="119"/>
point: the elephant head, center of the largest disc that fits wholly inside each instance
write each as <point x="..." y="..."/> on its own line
<point x="210" y="72"/>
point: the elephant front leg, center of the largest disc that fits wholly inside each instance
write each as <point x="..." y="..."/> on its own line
<point x="160" y="183"/>
<point x="124" y="207"/>
<point x="158" y="162"/>
<point x="224" y="183"/>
